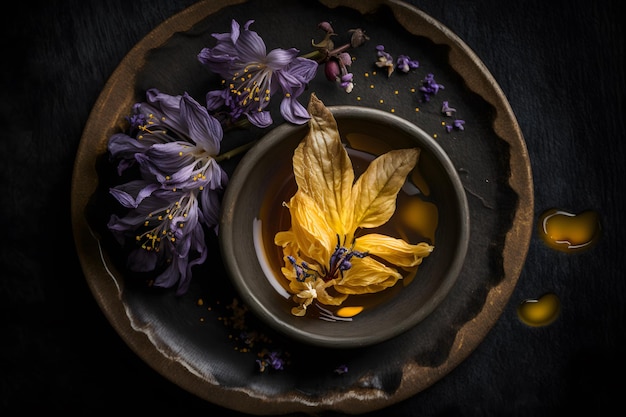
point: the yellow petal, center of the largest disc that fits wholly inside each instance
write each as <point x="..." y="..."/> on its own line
<point x="374" y="194"/>
<point x="323" y="169"/>
<point x="397" y="252"/>
<point x="299" y="311"/>
<point x="284" y="238"/>
<point x="307" y="291"/>
<point x="367" y="275"/>
<point x="324" y="297"/>
<point x="313" y="236"/>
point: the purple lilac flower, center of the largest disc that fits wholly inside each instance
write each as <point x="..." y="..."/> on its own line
<point x="385" y="60"/>
<point x="179" y="189"/>
<point x="252" y="76"/>
<point x="405" y="63"/>
<point x="270" y="359"/>
<point x="447" y="110"/>
<point x="341" y="369"/>
<point x="337" y="68"/>
<point x="457" y="124"/>
<point x="346" y="82"/>
<point x="430" y="87"/>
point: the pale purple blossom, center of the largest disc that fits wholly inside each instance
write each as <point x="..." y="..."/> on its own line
<point x="429" y="87"/>
<point x="447" y="110"/>
<point x="404" y="63"/>
<point x="337" y="68"/>
<point x="341" y="369"/>
<point x="458" y="124"/>
<point x="346" y="82"/>
<point x="270" y="359"/>
<point x="174" y="141"/>
<point x="385" y="60"/>
<point x="252" y="76"/>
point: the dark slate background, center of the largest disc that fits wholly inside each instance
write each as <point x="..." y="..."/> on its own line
<point x="561" y="65"/>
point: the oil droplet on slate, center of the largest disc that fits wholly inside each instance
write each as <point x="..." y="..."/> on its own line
<point x="539" y="312"/>
<point x="568" y="232"/>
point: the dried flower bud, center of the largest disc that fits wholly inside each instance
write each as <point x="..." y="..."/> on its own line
<point x="325" y="26"/>
<point x="345" y="59"/>
<point x="358" y="37"/>
<point x="332" y="70"/>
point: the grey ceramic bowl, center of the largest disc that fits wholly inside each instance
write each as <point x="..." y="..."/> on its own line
<point x="252" y="207"/>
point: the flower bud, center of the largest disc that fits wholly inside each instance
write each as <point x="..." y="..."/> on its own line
<point x="345" y="59"/>
<point x="325" y="26"/>
<point x="332" y="70"/>
<point x="358" y="38"/>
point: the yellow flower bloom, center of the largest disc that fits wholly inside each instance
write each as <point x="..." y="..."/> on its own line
<point x="327" y="256"/>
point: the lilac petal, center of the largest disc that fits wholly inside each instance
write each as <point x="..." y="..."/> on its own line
<point x="196" y="243"/>
<point x="210" y="208"/>
<point x="165" y="158"/>
<point x="132" y="193"/>
<point x="303" y="69"/>
<point x="293" y="111"/>
<point x="278" y="58"/>
<point x="260" y="118"/>
<point x="183" y="179"/>
<point x="164" y="101"/>
<point x="203" y="129"/>
<point x="294" y="79"/>
<point x="216" y="99"/>
<point x="124" y="164"/>
<point x="120" y="227"/>
<point x="235" y="30"/>
<point x="250" y="47"/>
<point x="185" y="278"/>
<point x="171" y="274"/>
<point x="247" y="25"/>
<point x="120" y="145"/>
<point x="216" y="177"/>
<point x="219" y="59"/>
<point x="164" y="105"/>
<point x="141" y="260"/>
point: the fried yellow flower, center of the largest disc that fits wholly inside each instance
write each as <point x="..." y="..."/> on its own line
<point x="328" y="255"/>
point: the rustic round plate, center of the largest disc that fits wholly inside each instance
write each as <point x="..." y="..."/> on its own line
<point x="206" y="341"/>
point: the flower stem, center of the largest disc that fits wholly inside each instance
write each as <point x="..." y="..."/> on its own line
<point x="236" y="151"/>
<point x="315" y="56"/>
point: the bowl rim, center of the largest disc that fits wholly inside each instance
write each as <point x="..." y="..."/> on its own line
<point x="272" y="138"/>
